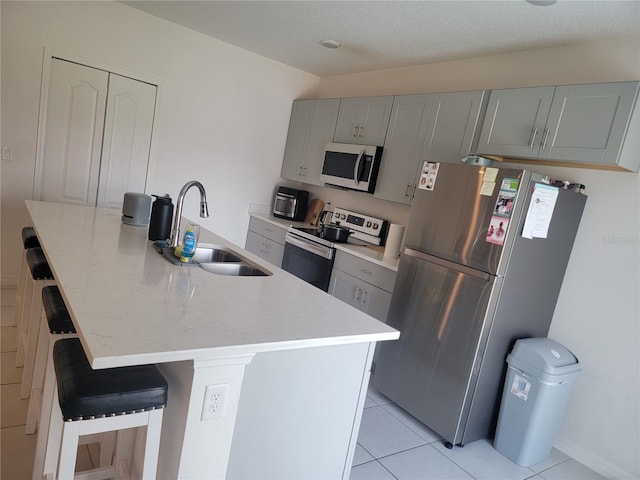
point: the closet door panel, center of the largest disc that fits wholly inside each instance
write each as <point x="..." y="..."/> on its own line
<point x="127" y="139"/>
<point x="73" y="133"/>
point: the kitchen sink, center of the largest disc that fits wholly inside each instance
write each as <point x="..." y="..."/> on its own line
<point x="235" y="269"/>
<point x="219" y="260"/>
<point x="204" y="253"/>
<point x="214" y="253"/>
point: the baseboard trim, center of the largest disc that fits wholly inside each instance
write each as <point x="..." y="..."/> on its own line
<point x="589" y="459"/>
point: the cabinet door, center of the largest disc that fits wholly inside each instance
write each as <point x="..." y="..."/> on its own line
<point x="321" y="131"/>
<point x="127" y="139"/>
<point x="74" y="124"/>
<point x="374" y="118"/>
<point x="345" y="287"/>
<point x="363" y="120"/>
<point x="453" y="122"/>
<point x="254" y="243"/>
<point x="514" y="122"/>
<point x="375" y="302"/>
<point x="402" y="148"/>
<point x="295" y="148"/>
<point x="273" y="252"/>
<point x="362" y="295"/>
<point x="265" y="248"/>
<point x="587" y="123"/>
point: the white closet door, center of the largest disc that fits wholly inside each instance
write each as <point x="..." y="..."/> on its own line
<point x="73" y="133"/>
<point x="127" y="139"/>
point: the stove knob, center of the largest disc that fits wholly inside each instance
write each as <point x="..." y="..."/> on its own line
<point x="369" y="224"/>
<point x="375" y="226"/>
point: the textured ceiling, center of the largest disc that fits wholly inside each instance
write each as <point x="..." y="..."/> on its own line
<point x="387" y="34"/>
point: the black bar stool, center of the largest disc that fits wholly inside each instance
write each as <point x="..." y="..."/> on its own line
<point x="55" y="325"/>
<point x="83" y="401"/>
<point x="40" y="277"/>
<point x="29" y="240"/>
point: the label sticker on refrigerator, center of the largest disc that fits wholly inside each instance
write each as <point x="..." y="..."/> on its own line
<point x="497" y="230"/>
<point x="428" y="176"/>
<point x="490" y="174"/>
<point x="521" y="387"/>
<point x="487" y="188"/>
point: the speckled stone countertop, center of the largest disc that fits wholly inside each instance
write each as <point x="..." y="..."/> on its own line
<point x="131" y="306"/>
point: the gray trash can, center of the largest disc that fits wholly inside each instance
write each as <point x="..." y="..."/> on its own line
<point x="539" y="380"/>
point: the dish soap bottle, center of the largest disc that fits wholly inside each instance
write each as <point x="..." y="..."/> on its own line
<point x="189" y="242"/>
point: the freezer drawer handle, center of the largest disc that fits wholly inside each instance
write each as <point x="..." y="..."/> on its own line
<point x="447" y="264"/>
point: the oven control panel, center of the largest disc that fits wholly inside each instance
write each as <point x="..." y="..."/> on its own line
<point x="372" y="229"/>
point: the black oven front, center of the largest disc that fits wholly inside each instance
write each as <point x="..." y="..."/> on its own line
<point x="308" y="260"/>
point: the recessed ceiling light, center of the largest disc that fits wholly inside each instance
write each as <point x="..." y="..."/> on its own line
<point x="329" y="43"/>
<point x="542" y="3"/>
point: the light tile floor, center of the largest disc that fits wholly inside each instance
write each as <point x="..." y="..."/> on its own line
<point x="392" y="445"/>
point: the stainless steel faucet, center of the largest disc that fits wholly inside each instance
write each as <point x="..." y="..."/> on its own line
<point x="174" y="240"/>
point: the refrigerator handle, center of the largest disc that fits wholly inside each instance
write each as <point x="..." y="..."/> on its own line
<point x="410" y="252"/>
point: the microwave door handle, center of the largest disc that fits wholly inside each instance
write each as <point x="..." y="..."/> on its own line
<point x="357" y="171"/>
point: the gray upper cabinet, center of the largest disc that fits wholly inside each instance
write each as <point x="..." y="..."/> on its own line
<point x="363" y="120"/>
<point x="584" y="124"/>
<point x="432" y="127"/>
<point x="515" y="121"/>
<point x="403" y="146"/>
<point x="312" y="125"/>
<point x="588" y="123"/>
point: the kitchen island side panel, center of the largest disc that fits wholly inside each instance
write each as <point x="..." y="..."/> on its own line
<point x="528" y="297"/>
<point x="300" y="413"/>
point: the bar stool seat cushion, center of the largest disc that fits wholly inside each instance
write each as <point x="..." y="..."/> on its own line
<point x="38" y="265"/>
<point x="85" y="393"/>
<point x="29" y="238"/>
<point x="56" y="311"/>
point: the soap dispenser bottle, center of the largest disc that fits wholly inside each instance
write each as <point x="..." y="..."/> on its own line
<point x="161" y="216"/>
<point x="189" y="242"/>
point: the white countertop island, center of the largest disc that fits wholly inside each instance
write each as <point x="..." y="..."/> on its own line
<point x="276" y="343"/>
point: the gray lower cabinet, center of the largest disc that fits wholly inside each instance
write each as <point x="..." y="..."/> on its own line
<point x="586" y="124"/>
<point x="362" y="284"/>
<point x="312" y="125"/>
<point x="266" y="240"/>
<point x="433" y="127"/>
<point x="363" y="120"/>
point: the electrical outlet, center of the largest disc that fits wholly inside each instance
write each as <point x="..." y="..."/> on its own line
<point x="215" y="400"/>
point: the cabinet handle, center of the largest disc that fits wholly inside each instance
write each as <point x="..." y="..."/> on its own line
<point x="407" y="192"/>
<point x="533" y="137"/>
<point x="544" y="139"/>
<point x="354" y="133"/>
<point x="365" y="295"/>
<point x="366" y="272"/>
<point x="360" y="130"/>
<point x="358" y="294"/>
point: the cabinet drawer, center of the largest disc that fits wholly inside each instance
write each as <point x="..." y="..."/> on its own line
<point x="369" y="272"/>
<point x="268" y="230"/>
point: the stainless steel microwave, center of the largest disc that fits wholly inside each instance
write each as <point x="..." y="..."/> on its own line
<point x="351" y="166"/>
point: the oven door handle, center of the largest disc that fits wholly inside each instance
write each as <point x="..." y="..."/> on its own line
<point x="325" y="252"/>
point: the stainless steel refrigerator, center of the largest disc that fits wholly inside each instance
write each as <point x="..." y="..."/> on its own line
<point x="483" y="261"/>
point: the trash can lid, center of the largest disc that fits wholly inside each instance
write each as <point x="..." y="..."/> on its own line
<point x="543" y="357"/>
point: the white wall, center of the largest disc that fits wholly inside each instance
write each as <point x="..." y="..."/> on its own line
<point x="598" y="312"/>
<point x="222" y="119"/>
